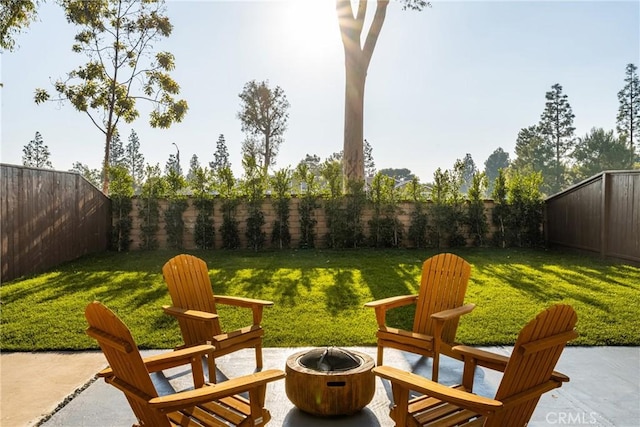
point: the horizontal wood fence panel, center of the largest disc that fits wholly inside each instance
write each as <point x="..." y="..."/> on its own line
<point x="49" y="217"/>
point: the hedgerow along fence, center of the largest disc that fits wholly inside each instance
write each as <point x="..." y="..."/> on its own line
<point x="49" y="217"/>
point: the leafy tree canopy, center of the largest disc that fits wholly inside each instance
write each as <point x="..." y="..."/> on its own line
<point x="118" y="36"/>
<point x="599" y="151"/>
<point x="403" y="174"/>
<point x="15" y="17"/>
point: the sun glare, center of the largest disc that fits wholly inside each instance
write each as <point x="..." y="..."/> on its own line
<point x="311" y="27"/>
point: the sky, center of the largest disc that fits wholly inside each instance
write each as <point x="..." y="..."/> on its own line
<point x="460" y="77"/>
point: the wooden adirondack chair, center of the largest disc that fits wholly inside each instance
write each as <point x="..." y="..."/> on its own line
<point x="208" y="405"/>
<point x="439" y="305"/>
<point x="528" y="373"/>
<point x="194" y="306"/>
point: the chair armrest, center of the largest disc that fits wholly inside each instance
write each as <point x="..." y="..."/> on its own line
<point x="410" y="381"/>
<point x="169" y="359"/>
<point x="382" y="305"/>
<point x="393" y="302"/>
<point x="453" y="312"/>
<point x="216" y="391"/>
<point x="473" y="357"/>
<point x="189" y="314"/>
<point x="241" y="301"/>
<point x="256" y="305"/>
<point x="497" y="362"/>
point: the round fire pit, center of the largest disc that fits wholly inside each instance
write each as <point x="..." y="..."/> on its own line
<point x="330" y="381"/>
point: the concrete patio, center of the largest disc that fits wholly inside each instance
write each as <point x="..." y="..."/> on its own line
<point x="38" y="388"/>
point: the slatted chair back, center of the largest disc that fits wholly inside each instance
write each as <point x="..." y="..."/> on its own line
<point x="125" y="361"/>
<point x="534" y="357"/>
<point x="442" y="287"/>
<point x="187" y="278"/>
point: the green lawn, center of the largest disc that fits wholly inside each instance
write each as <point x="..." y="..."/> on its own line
<point x="319" y="296"/>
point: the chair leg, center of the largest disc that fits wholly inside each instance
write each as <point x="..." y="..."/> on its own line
<point x="380" y="351"/>
<point x="436" y="367"/>
<point x="259" y="356"/>
<point x="211" y="363"/>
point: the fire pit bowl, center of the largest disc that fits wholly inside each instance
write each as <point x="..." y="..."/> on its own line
<point x="330" y="381"/>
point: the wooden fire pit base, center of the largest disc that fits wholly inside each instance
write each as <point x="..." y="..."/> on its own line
<point x="333" y="392"/>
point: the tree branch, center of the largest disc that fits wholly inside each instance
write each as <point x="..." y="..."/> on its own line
<point x="374" y="31"/>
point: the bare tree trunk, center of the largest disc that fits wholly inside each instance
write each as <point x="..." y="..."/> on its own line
<point x="353" y="157"/>
<point x="105" y="162"/>
<point x="356" y="62"/>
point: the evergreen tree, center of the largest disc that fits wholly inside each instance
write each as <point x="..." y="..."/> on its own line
<point x="556" y="128"/>
<point x="599" y="151"/>
<point x="468" y="170"/>
<point x="36" y="154"/>
<point x="134" y="160"/>
<point x="116" y="151"/>
<point x="499" y="159"/>
<point x="173" y="165"/>
<point x="628" y="120"/>
<point x="220" y="156"/>
<point x="194" y="165"/>
<point x="533" y="155"/>
<point x="369" y="164"/>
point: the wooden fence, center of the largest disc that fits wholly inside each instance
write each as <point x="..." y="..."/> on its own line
<point x="48" y="217"/>
<point x="600" y="214"/>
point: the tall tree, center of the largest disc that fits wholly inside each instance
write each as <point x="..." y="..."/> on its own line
<point x="116" y="151"/>
<point x="403" y="174"/>
<point x="357" y="57"/>
<point x="36" y="154"/>
<point x="369" y="164"/>
<point x="220" y="156"/>
<point x="264" y="113"/>
<point x="313" y="163"/>
<point x="118" y="38"/>
<point x="533" y="155"/>
<point x="598" y="151"/>
<point x="556" y="127"/>
<point x="173" y="165"/>
<point x="194" y="165"/>
<point x="134" y="160"/>
<point x="468" y="170"/>
<point x="628" y="120"/>
<point x="15" y="17"/>
<point x="497" y="160"/>
<point x="94" y="176"/>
